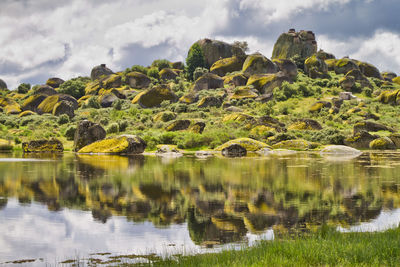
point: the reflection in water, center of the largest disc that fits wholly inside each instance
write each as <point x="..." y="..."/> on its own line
<point x="217" y="201"/>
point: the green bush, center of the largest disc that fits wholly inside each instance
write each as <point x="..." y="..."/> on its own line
<point x="93" y="103"/>
<point x="23" y="88"/>
<point x="74" y="87"/>
<point x="123" y="125"/>
<point x="198" y="72"/>
<point x="194" y="60"/>
<point x="113" y="128"/>
<point x="70" y="132"/>
<point x="161" y="64"/>
<point x="153" y="73"/>
<point x="139" y="68"/>
<point x="63" y="119"/>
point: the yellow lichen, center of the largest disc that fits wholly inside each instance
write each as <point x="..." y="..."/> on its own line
<point x="248" y="143"/>
<point x="48" y="104"/>
<point x="107" y="146"/>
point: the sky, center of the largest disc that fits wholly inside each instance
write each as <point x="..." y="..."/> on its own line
<point x="46" y="38"/>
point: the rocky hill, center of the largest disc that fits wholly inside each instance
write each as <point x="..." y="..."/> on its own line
<point x="301" y="98"/>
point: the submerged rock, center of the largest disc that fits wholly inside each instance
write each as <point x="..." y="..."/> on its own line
<point x="39" y="146"/>
<point x="339" y="150"/>
<point x="124" y="144"/>
<point x="204" y="154"/>
<point x="169" y="151"/>
<point x="295" y="145"/>
<point x="234" y="150"/>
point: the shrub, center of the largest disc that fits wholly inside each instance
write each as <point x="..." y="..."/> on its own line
<point x="198" y="72"/>
<point x="93" y="103"/>
<point x="153" y="73"/>
<point x="161" y="64"/>
<point x="70" y="132"/>
<point x="113" y="128"/>
<point x="194" y="60"/>
<point x="74" y="87"/>
<point x="63" y="119"/>
<point x="123" y="125"/>
<point x="23" y="88"/>
<point x="117" y="105"/>
<point x="139" y="68"/>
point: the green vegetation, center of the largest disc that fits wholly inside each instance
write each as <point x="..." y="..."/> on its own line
<point x="74" y="87"/>
<point x="325" y="247"/>
<point x="195" y="59"/>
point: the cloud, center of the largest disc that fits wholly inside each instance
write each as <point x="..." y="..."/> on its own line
<point x="67" y="38"/>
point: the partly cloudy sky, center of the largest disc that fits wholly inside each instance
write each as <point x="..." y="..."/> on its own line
<point x="46" y="38"/>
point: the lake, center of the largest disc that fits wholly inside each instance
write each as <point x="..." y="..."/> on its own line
<point x="96" y="208"/>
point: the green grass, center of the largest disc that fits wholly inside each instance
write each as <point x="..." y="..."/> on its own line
<point x="324" y="248"/>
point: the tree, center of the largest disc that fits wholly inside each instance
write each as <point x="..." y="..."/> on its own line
<point x="194" y="60"/>
<point x="23" y="88"/>
<point x="74" y="87"/>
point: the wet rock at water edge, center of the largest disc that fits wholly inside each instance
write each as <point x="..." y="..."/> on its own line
<point x="233" y="151"/>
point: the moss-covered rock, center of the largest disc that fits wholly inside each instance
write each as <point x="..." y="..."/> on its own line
<point x="189" y="98"/>
<point x="287" y="67"/>
<point x="44" y="90"/>
<point x="263" y="130"/>
<point x="390" y="97"/>
<point x="164" y="116"/>
<point x="208" y="81"/>
<point x="124" y="144"/>
<point x="209" y="101"/>
<point x="42" y="146"/>
<point x="54" y="82"/>
<point x="382" y="143"/>
<point x="26" y="113"/>
<point x="359" y="77"/>
<point x="396" y="80"/>
<point x="86" y="133"/>
<point x="344" y="65"/>
<point x="305" y="124"/>
<point x="107" y="100"/>
<point x="197" y="127"/>
<point x="292" y="43"/>
<point x="92" y="88"/>
<point x="347" y="82"/>
<point x="244" y="92"/>
<point x="10" y="106"/>
<point x="178" y="125"/>
<point x="265" y="83"/>
<point x="236" y="79"/>
<point x="48" y="104"/>
<point x="395" y="137"/>
<point x="154" y="96"/>
<point x="214" y="50"/>
<point x="168" y="74"/>
<point x="237" y="117"/>
<point x="360" y="140"/>
<point x="100" y="71"/>
<point x="64" y="107"/>
<point x="370" y="126"/>
<point x="137" y="80"/>
<point x="315" y="67"/>
<point x="319" y="105"/>
<point x="296" y="145"/>
<point x="388" y="75"/>
<point x="258" y="64"/>
<point x="5" y="145"/>
<point x="330" y="63"/>
<point x="32" y="102"/>
<point x="226" y="65"/>
<point x="112" y="81"/>
<point x="369" y="70"/>
<point x="248" y="143"/>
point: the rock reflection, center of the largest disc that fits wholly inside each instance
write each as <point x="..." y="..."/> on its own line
<point x="222" y="200"/>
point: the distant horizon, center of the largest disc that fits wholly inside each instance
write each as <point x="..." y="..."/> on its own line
<point x="66" y="40"/>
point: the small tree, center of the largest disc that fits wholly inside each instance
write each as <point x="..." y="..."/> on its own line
<point x="74" y="87"/>
<point x="194" y="60"/>
<point x="23" y="88"/>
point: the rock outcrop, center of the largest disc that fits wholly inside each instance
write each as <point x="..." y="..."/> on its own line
<point x="208" y="81"/>
<point x="3" y="84"/>
<point x="137" y="80"/>
<point x="43" y="146"/>
<point x="234" y="150"/>
<point x="124" y="144"/>
<point x="292" y="43"/>
<point x="100" y="71"/>
<point x="214" y="50"/>
<point x="87" y="133"/>
<point x="258" y="64"/>
<point x="54" y="82"/>
<point x="154" y="96"/>
<point x="226" y="65"/>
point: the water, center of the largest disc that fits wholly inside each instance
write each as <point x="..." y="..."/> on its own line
<point x="56" y="208"/>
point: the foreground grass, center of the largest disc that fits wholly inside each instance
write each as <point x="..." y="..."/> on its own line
<point x="326" y="247"/>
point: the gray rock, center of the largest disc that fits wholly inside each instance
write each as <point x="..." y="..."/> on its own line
<point x="234" y="150"/>
<point x="100" y="71"/>
<point x="87" y="133"/>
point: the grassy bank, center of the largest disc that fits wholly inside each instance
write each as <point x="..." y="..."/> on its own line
<point x="326" y="247"/>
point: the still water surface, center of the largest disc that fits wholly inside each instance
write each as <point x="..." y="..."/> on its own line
<point x="56" y="208"/>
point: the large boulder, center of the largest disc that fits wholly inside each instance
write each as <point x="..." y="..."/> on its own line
<point x="244" y="92"/>
<point x="315" y="67"/>
<point x="87" y="133"/>
<point x="234" y="150"/>
<point x="248" y="143"/>
<point x="197" y="127"/>
<point x="297" y="144"/>
<point x="100" y="71"/>
<point x="292" y="43"/>
<point x="360" y="140"/>
<point x="107" y="100"/>
<point x="45" y="90"/>
<point x="154" y="96"/>
<point x="388" y="75"/>
<point x="40" y="146"/>
<point x="124" y="144"/>
<point x="225" y="65"/>
<point x="370" y="126"/>
<point x="54" y="82"/>
<point x="287" y="67"/>
<point x="137" y="80"/>
<point x="258" y="64"/>
<point x="64" y="107"/>
<point x="265" y="83"/>
<point x="382" y="143"/>
<point x="359" y="77"/>
<point x="214" y="50"/>
<point x="5" y="145"/>
<point x="48" y="104"/>
<point x="339" y="150"/>
<point x="112" y="81"/>
<point x="168" y="74"/>
<point x="210" y="101"/>
<point x="208" y="81"/>
<point x="3" y="84"/>
<point x="236" y="79"/>
<point x="390" y="97"/>
<point x="369" y="70"/>
<point x="32" y="102"/>
<point x="305" y="124"/>
<point x="347" y="83"/>
<point x="9" y="105"/>
<point x="178" y="125"/>
<point x="344" y="65"/>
